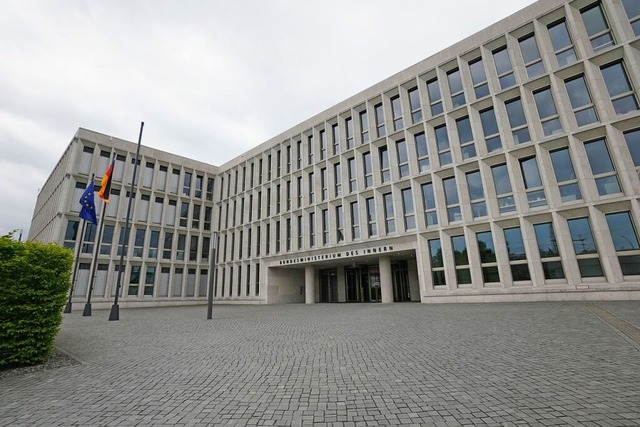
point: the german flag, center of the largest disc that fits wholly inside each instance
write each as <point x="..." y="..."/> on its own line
<point x="105" y="186"/>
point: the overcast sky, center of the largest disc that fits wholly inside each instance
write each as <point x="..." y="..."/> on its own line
<point x="210" y="79"/>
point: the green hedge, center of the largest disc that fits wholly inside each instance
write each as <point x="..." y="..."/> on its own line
<point x="34" y="284"/>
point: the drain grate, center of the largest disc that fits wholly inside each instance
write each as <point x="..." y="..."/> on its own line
<point x="627" y="329"/>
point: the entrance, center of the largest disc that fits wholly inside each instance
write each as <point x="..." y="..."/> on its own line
<point x="363" y="284"/>
<point x="329" y="285"/>
<point x="401" y="288"/>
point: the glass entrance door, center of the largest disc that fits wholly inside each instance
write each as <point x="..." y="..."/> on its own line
<point x="352" y="283"/>
<point x="328" y="285"/>
<point x="401" y="288"/>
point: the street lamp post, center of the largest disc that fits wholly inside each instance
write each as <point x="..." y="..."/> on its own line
<point x="212" y="275"/>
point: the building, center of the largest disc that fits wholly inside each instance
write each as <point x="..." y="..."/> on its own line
<point x="503" y="168"/>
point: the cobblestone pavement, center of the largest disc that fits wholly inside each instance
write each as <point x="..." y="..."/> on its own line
<point x="344" y="365"/>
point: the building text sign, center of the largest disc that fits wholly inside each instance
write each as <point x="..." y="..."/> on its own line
<point x="338" y="255"/>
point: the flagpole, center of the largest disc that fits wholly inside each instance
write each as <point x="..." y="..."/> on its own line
<point x="96" y="250"/>
<point x="115" y="310"/>
<point x="67" y="308"/>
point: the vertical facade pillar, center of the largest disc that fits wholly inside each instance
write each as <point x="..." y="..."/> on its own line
<point x="386" y="283"/>
<point x="309" y="284"/>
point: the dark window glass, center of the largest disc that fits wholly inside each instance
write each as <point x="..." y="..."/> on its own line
<point x="515" y="244"/>
<point x="622" y="231"/>
<point x="633" y="143"/>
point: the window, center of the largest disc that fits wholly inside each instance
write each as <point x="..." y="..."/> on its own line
<point x="442" y="141"/>
<point x="268" y="203"/>
<point x="288" y="196"/>
<point x="337" y="176"/>
<point x="429" y="202"/>
<point x="476" y="194"/>
<point x="597" y="27"/>
<point x="371" y="217"/>
<point x="299" y="190"/>
<point x="193" y="249"/>
<point x="368" y="169"/>
<point x="277" y="236"/>
<point x="549" y="252"/>
<point x="625" y="241"/>
<point x="288" y="161"/>
<point x="633" y="143"/>
<point x="451" y="197"/>
<point x="186" y="184"/>
<point x="324" y="184"/>
<point x="632" y="7"/>
<point x="619" y="88"/>
<point x="517" y="254"/>
<point x="309" y="150"/>
<point x="195" y="219"/>
<point x="288" y="234"/>
<point x="123" y="240"/>
<point x="107" y="241"/>
<point x="488" y="260"/>
<point x="435" y="98"/>
<point x="414" y="104"/>
<point x="502" y="184"/>
<point x="138" y="243"/>
<point x="455" y="88"/>
<point x="299" y="231"/>
<point x="389" y="215"/>
<point x="503" y="67"/>
<point x="312" y="186"/>
<point x="323" y="145"/>
<point x="71" y="233"/>
<point x="168" y="244"/>
<point x="396" y="112"/>
<point x="562" y="44"/>
<point x="312" y="229"/>
<point x="182" y="240"/>
<point x="585" y="248"/>
<point x="490" y="129"/>
<point x="206" y="247"/>
<point x="149" y="280"/>
<point x="532" y="182"/>
<point x="517" y="121"/>
<point x="385" y="169"/>
<point x="379" y="116"/>
<point x="422" y="151"/>
<point x="210" y="188"/>
<point x="461" y="260"/>
<point x="184" y="213"/>
<point x="269" y="171"/>
<point x="298" y="154"/>
<point x="348" y="125"/>
<point x="581" y="102"/>
<point x="465" y="135"/>
<point x="355" y="221"/>
<point x="351" y="165"/>
<point x="408" y="209"/>
<point x="437" y="263"/>
<point x="199" y="179"/>
<point x="207" y="217"/>
<point x="364" y="127"/>
<point x="335" y="134"/>
<point x="479" y="78"/>
<point x="403" y="158"/>
<point x="531" y="56"/>
<point x="278" y="198"/>
<point x="325" y="226"/>
<point x="267" y="238"/>
<point x="547" y="112"/>
<point x="565" y="175"/>
<point x="602" y="167"/>
<point x="134" y="280"/>
<point x="340" y="223"/>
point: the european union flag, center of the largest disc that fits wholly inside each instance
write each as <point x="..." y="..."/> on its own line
<point x="88" y="211"/>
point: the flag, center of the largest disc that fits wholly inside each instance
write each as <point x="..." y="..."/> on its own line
<point x="88" y="211"/>
<point x="105" y="186"/>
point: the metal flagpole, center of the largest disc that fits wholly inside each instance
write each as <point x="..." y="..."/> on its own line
<point x="96" y="250"/>
<point x="67" y="308"/>
<point x="115" y="311"/>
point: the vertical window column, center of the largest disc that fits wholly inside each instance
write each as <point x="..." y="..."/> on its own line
<point x="625" y="241"/>
<point x="549" y="252"/>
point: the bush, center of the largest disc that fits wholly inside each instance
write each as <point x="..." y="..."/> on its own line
<point x="34" y="284"/>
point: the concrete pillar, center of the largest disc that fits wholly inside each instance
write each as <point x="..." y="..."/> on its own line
<point x="310" y="284"/>
<point x="386" y="283"/>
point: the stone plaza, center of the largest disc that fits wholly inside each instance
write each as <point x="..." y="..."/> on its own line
<point x="497" y="364"/>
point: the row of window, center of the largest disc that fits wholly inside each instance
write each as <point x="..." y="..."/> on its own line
<point x="621" y="228"/>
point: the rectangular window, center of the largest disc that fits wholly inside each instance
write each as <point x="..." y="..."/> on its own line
<point x="278" y="164"/>
<point x="389" y="213"/>
<point x="325" y="226"/>
<point x="311" y="185"/>
<point x="193" y="249"/>
<point x="408" y="209"/>
<point x="414" y="104"/>
<point x="454" y="212"/>
<point x="277" y="236"/>
<point x="396" y="113"/>
<point x="184" y="214"/>
<point x="107" y="240"/>
<point x="385" y="169"/>
<point x="429" y="202"/>
<point x="625" y="240"/>
<point x="267" y="239"/>
<point x="269" y="170"/>
<point x="597" y="27"/>
<point x="299" y="191"/>
<point x="602" y="167"/>
<point x="581" y="103"/>
<point x="504" y="68"/>
<point x="549" y="252"/>
<point x="134" y="280"/>
<point x="124" y="237"/>
<point x="479" y="78"/>
<point x="337" y="177"/>
<point x="488" y="259"/>
<point x="562" y="44"/>
<point x="351" y="166"/>
<point x="435" y="98"/>
<point x="288" y="196"/>
<point x="368" y="169"/>
<point x="531" y="56"/>
<point x="517" y="121"/>
<point x="312" y="229"/>
<point x="309" y="150"/>
<point x="138" y="243"/>
<point x="632" y="8"/>
<point x="348" y="126"/>
<point x="403" y="158"/>
<point x="502" y="184"/>
<point x="195" y="218"/>
<point x="381" y="129"/>
<point x="89" y="238"/>
<point x="288" y="159"/>
<point x="299" y="232"/>
<point x="461" y="260"/>
<point x="186" y="185"/>
<point x="620" y="90"/>
<point x="437" y="263"/>
<point x="490" y="129"/>
<point x="198" y="193"/>
<point x="335" y="134"/>
<point x="547" y="112"/>
<point x="565" y="175"/>
<point x="585" y="248"/>
<point x="465" y="136"/>
<point x="298" y="154"/>
<point x="371" y="217"/>
<point x="476" y="194"/>
<point x="288" y="234"/>
<point x="517" y="254"/>
<point x="633" y="144"/>
<point x="324" y="178"/>
<point x="323" y="145"/>
<point x="422" y="152"/>
<point x="532" y="182"/>
<point x="355" y="221"/>
<point x="206" y="247"/>
<point x="182" y="242"/>
<point x="340" y="223"/>
<point x="444" y="149"/>
<point x="364" y="127"/>
<point x="168" y="244"/>
<point x="210" y="188"/>
<point x="149" y="280"/>
<point x="455" y="88"/>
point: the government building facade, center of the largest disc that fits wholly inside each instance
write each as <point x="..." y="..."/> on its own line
<point x="503" y="168"/>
